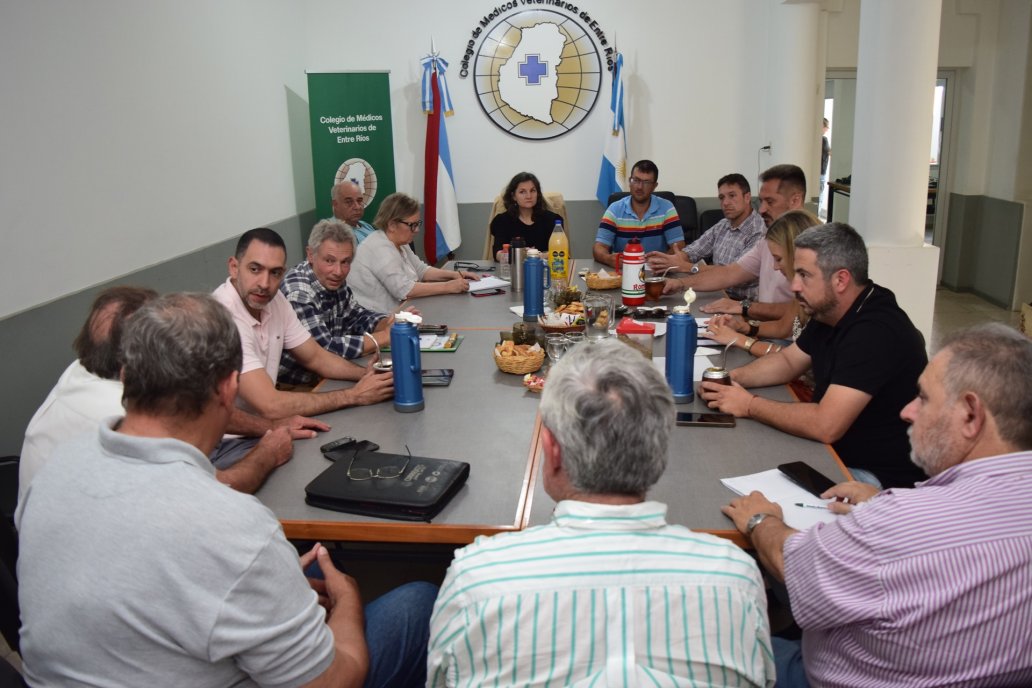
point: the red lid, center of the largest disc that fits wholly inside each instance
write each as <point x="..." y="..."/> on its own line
<point x="628" y="325"/>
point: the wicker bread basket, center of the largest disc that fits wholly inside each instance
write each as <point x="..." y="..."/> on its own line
<point x="601" y="283"/>
<point x="520" y="364"/>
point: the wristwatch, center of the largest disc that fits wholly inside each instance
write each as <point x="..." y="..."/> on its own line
<point x="745" y="307"/>
<point x="754" y="521"/>
<point x="754" y="328"/>
<point x="694" y="270"/>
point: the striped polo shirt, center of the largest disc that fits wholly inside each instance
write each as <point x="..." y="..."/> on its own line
<point x="657" y="230"/>
<point x="929" y="586"/>
<point x="603" y="595"/>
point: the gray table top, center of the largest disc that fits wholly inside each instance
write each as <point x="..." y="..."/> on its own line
<point x="487" y="419"/>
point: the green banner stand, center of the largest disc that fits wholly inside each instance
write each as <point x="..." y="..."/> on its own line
<point x="352" y="136"/>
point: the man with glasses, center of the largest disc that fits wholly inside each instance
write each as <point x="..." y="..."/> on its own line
<point x="348" y="203"/>
<point x="608" y="592"/>
<point x="268" y="326"/>
<point x="650" y="219"/>
<point x="138" y="568"/>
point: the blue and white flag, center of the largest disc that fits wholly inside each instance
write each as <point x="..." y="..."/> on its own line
<point x="440" y="205"/>
<point x="612" y="178"/>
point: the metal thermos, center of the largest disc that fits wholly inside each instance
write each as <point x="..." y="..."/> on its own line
<point x="535" y="280"/>
<point x="681" y="341"/>
<point x="408" y="381"/>
<point x="517" y="254"/>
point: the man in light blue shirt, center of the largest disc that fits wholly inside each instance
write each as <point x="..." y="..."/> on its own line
<point x="348" y="203"/>
<point x="608" y="590"/>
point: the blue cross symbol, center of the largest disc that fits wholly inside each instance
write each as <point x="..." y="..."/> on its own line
<point x="532" y="69"/>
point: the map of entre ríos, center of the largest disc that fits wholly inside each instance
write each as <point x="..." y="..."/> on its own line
<point x="527" y="81"/>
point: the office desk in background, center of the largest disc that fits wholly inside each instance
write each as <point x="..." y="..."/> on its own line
<point x="488" y="419"/>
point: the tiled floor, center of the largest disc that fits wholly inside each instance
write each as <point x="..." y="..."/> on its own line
<point x="956" y="310"/>
<point x="953" y="310"/>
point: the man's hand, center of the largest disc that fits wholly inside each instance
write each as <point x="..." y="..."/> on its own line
<point x="672" y="285"/>
<point x="724" y="305"/>
<point x="373" y="387"/>
<point x="658" y="260"/>
<point x="741" y="509"/>
<point x="301" y="427"/>
<point x="853" y="492"/>
<point x="733" y="398"/>
<point x="278" y="444"/>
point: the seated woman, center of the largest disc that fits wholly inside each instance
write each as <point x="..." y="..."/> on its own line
<point x="386" y="271"/>
<point x="526" y="215"/>
<point x="734" y="329"/>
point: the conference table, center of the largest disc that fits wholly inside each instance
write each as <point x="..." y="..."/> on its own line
<point x="488" y="419"/>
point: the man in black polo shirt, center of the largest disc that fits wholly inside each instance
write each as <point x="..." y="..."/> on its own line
<point x="866" y="357"/>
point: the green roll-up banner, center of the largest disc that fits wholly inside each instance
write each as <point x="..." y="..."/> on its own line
<point x="352" y="135"/>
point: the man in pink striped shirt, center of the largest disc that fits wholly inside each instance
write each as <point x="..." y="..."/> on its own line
<point x="929" y="586"/>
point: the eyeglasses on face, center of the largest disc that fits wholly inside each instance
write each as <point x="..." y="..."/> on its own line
<point x="641" y="182"/>
<point x="411" y="225"/>
<point x="381" y="472"/>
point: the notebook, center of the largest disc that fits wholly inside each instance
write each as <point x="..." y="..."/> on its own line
<point x="419" y="494"/>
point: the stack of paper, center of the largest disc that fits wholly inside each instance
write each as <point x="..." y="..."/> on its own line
<point x="776" y="487"/>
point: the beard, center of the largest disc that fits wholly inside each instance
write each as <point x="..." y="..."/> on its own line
<point x="816" y="309"/>
<point x="934" y="449"/>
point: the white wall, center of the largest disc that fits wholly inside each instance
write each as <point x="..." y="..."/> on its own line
<point x="134" y="132"/>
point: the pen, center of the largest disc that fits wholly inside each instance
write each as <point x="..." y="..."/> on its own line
<point x="811" y="506"/>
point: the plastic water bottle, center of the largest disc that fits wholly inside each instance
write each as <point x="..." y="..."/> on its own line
<point x="559" y="255"/>
<point x="535" y="279"/>
<point x="504" y="268"/>
<point x="681" y="342"/>
<point x="408" y="382"/>
<point x="633" y="283"/>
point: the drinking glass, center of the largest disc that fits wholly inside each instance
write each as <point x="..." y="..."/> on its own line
<point x="555" y="346"/>
<point x="573" y="339"/>
<point x="598" y="310"/>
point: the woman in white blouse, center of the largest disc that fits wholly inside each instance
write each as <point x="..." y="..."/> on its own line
<point x="386" y="271"/>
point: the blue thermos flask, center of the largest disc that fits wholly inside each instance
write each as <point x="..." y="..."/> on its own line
<point x="681" y="342"/>
<point x="408" y="382"/>
<point x="536" y="279"/>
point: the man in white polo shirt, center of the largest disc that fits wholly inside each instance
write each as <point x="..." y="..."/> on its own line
<point x="268" y="325"/>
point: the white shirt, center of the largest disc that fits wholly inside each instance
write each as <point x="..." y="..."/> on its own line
<point x="603" y="593"/>
<point x="74" y="406"/>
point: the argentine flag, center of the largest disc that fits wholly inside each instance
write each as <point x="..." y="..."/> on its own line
<point x="440" y="205"/>
<point x="612" y="178"/>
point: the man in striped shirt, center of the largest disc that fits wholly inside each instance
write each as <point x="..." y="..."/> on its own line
<point x="929" y="586"/>
<point x="643" y="216"/>
<point x="608" y="593"/>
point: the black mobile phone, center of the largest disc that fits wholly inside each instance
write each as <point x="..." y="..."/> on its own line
<point x="432" y="329"/>
<point x="806" y="477"/>
<point x="708" y="420"/>
<point x="487" y="292"/>
<point x="437" y="377"/>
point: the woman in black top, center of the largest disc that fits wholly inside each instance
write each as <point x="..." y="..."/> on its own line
<point x="526" y="215"/>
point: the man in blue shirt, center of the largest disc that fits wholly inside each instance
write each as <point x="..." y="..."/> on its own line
<point x="650" y="219"/>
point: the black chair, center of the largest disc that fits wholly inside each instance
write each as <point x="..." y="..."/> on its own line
<point x="689" y="216"/>
<point x="10" y="615"/>
<point x="9" y="676"/>
<point x="709" y="218"/>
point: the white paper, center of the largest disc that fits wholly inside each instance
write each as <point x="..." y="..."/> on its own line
<point x="489" y="282"/>
<point x="701" y="363"/>
<point x="776" y="487"/>
<point x="518" y="310"/>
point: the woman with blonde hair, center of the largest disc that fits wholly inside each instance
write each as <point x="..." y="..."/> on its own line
<point x="386" y="271"/>
<point x="734" y="329"/>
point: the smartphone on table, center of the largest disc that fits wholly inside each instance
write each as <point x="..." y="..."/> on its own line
<point x="806" y="477"/>
<point x="707" y="420"/>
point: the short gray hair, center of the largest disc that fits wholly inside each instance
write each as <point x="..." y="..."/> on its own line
<point x="994" y="361"/>
<point x="838" y="247"/>
<point x="332" y="230"/>
<point x="176" y="350"/>
<point x="611" y="413"/>
<point x="336" y="189"/>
